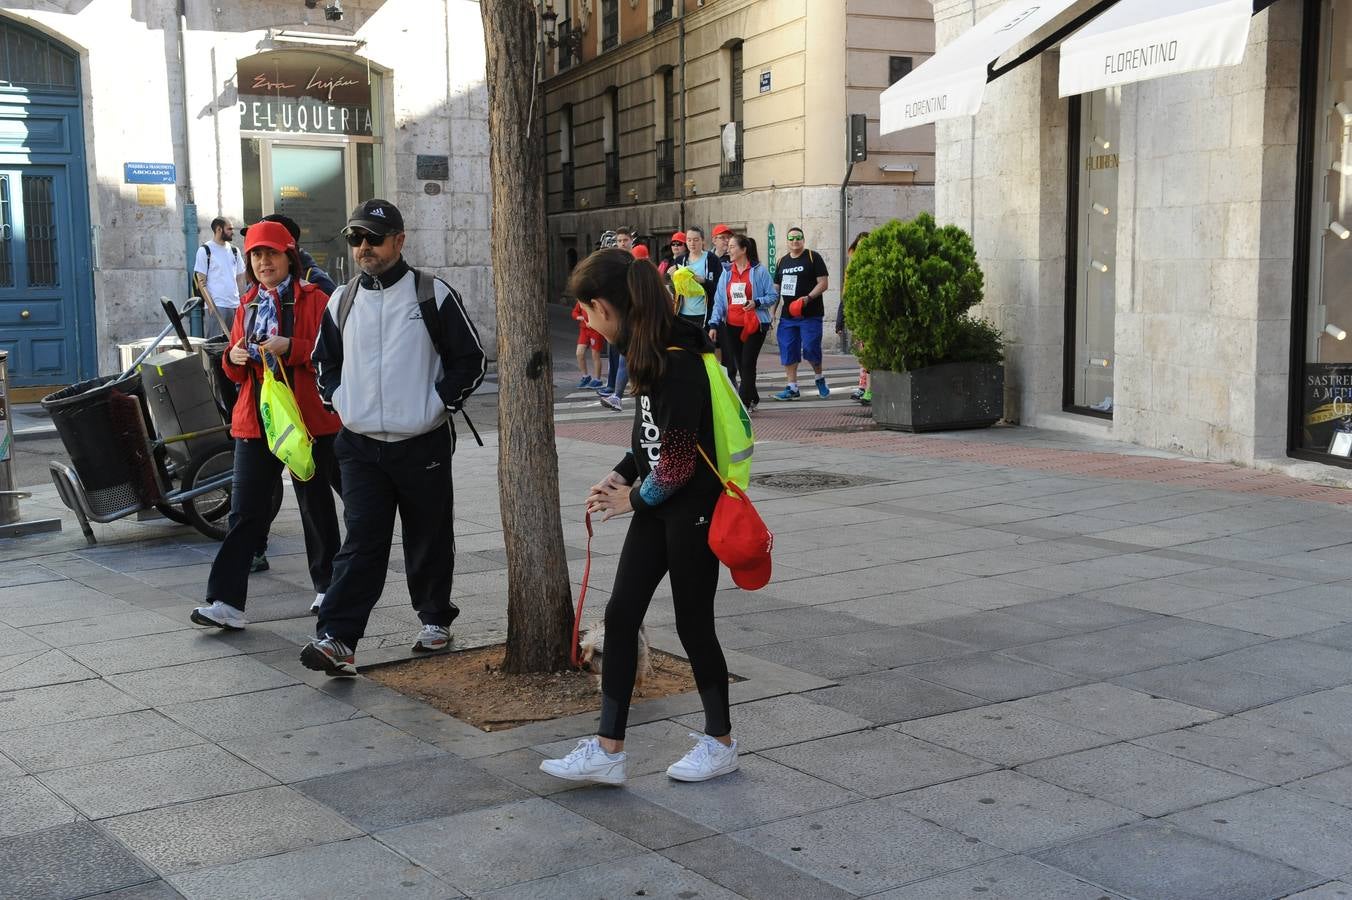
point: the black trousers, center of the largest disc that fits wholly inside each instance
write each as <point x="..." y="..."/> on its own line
<point x="380" y="478"/>
<point x="653" y="549"/>
<point x="255" y="481"/>
<point x="745" y="353"/>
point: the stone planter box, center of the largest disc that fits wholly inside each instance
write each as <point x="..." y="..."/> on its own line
<point x="939" y="398"/>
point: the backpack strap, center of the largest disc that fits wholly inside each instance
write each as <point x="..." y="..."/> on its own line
<point x="345" y="302"/>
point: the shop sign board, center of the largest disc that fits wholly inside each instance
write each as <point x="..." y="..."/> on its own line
<point x="299" y="92"/>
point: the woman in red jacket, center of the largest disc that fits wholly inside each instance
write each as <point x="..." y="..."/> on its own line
<point x="278" y="320"/>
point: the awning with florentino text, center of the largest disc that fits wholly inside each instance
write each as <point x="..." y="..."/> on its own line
<point x="951" y="83"/>
<point x="1137" y="40"/>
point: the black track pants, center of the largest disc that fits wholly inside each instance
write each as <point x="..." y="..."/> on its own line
<point x="412" y="477"/>
<point x="651" y="548"/>
<point x="255" y="481"/>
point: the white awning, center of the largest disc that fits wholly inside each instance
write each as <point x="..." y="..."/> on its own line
<point x="950" y="83"/>
<point x="1141" y="39"/>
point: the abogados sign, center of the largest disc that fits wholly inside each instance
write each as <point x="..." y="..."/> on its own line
<point x="300" y="92"/>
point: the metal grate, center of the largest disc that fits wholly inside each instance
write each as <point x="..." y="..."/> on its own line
<point x="567" y="179"/>
<point x="6" y="235"/>
<point x="610" y="24"/>
<point x="612" y="178"/>
<point x="39" y="225"/>
<point x="666" y="170"/>
<point x="806" y="481"/>
<point x="662" y="14"/>
<point x="32" y="62"/>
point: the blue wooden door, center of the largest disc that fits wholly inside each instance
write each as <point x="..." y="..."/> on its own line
<point x="46" y="281"/>
<point x="38" y="321"/>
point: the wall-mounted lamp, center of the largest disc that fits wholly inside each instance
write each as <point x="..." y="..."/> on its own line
<point x="898" y="167"/>
<point x="570" y="41"/>
<point x="1338" y="230"/>
<point x="1100" y="266"/>
<point x="1335" y="332"/>
<point x="584" y="203"/>
<point x="633" y="194"/>
<point x="1101" y="209"/>
<point x="1342" y="109"/>
<point x="1103" y="142"/>
<point x="690" y="187"/>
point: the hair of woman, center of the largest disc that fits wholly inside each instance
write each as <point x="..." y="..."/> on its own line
<point x="857" y="238"/>
<point x="634" y="289"/>
<point x="749" y="245"/>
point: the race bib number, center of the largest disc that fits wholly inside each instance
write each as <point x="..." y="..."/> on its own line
<point x="739" y="294"/>
<point x="788" y="287"/>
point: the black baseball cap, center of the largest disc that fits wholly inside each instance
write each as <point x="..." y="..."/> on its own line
<point x="377" y="217"/>
<point x="286" y="222"/>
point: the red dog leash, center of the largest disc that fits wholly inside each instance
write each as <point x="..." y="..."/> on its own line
<point x="582" y="598"/>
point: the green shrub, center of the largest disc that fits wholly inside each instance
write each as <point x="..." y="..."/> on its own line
<point x="907" y="293"/>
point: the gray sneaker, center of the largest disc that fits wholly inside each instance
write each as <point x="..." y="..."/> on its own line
<point x="330" y="656"/>
<point x="432" y="638"/>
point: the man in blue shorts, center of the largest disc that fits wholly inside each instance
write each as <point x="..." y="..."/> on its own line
<point x="801" y="279"/>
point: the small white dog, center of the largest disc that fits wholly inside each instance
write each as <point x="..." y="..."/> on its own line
<point x="593" y="647"/>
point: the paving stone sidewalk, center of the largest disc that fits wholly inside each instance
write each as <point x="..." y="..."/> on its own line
<point x="974" y="674"/>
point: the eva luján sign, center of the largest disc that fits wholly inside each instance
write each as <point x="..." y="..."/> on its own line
<point x="304" y="93"/>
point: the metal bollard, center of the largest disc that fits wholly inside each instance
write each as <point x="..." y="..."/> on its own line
<point x="10" y="523"/>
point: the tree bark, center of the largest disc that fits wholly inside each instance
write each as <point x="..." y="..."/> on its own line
<point x="539" y="596"/>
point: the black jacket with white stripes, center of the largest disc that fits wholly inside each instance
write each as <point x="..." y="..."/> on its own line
<point x="381" y="373"/>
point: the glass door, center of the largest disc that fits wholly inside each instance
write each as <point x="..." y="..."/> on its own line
<point x="309" y="184"/>
<point x="1091" y="310"/>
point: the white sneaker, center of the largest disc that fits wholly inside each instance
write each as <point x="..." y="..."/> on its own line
<point x="432" y="638"/>
<point x="588" y="762"/>
<point x="220" y="615"/>
<point x="314" y="607"/>
<point x="707" y="759"/>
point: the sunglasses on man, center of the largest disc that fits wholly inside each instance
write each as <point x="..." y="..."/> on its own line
<point x="355" y="238"/>
<point x="678" y="243"/>
<point x="795" y="237"/>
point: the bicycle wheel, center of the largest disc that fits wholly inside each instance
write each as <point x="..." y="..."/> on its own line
<point x="173" y="513"/>
<point x="209" y="513"/>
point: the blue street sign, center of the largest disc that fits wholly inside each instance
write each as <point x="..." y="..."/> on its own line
<point x="149" y="173"/>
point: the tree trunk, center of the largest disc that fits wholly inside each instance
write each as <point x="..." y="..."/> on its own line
<point x="539" y="596"/>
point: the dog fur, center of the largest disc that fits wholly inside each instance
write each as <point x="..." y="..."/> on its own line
<point x="592" y="644"/>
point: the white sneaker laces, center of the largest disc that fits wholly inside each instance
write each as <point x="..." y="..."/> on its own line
<point x="584" y="749"/>
<point x="702" y="750"/>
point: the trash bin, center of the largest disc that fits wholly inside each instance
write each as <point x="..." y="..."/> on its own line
<point x="213" y="352"/>
<point x="102" y="424"/>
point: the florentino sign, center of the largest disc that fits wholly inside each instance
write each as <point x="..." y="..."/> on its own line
<point x="1140" y="57"/>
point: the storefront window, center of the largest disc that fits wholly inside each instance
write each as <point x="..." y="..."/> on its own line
<point x="311" y="137"/>
<point x="1089" y="333"/>
<point x="1326" y="389"/>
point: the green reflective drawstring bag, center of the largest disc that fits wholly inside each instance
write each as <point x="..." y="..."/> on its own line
<point x="283" y="427"/>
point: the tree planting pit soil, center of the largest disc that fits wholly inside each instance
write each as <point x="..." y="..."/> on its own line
<point x="470" y="685"/>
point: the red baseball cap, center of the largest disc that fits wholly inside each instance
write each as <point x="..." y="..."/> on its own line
<point x="678" y="236"/>
<point x="720" y="228"/>
<point x="740" y="540"/>
<point x="640" y="251"/>
<point x="269" y="234"/>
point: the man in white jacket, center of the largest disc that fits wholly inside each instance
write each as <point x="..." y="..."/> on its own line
<point x="396" y="355"/>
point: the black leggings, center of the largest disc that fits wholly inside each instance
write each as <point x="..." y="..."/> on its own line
<point x="650" y="549"/>
<point x="740" y="357"/>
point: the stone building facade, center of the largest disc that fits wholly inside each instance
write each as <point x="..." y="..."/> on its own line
<point x="235" y="109"/>
<point x="666" y="113"/>
<point x="1166" y="258"/>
